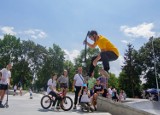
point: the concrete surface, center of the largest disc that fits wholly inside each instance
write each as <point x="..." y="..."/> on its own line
<point x="22" y="105"/>
<point x="129" y="107"/>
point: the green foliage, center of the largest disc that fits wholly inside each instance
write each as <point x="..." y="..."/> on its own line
<point x="113" y="81"/>
<point x="146" y="61"/>
<point x="129" y="79"/>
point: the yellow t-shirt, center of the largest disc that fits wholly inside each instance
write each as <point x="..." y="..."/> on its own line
<point x="104" y="44"/>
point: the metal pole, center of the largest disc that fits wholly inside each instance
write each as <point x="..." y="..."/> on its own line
<point x="155" y="70"/>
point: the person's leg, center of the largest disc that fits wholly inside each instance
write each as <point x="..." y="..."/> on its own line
<point x="76" y="95"/>
<point x="104" y="93"/>
<point x="2" y="94"/>
<point x="106" y="57"/>
<point x="91" y="68"/>
<point x="53" y="95"/>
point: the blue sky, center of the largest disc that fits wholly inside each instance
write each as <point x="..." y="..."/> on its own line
<point x="66" y="22"/>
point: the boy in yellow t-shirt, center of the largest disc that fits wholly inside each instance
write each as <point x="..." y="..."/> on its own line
<point x="108" y="51"/>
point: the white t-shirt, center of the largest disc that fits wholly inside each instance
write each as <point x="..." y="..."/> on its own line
<point x="51" y="83"/>
<point x="78" y="78"/>
<point x="110" y="91"/>
<point x="6" y="74"/>
<point x="15" y="87"/>
<point x="85" y="97"/>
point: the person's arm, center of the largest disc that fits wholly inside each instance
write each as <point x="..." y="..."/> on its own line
<point x="9" y="81"/>
<point x="73" y="85"/>
<point x="90" y="45"/>
<point x="54" y="89"/>
<point x="80" y="92"/>
<point x="59" y="79"/>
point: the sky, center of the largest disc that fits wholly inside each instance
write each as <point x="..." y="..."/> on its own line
<point x="66" y="23"/>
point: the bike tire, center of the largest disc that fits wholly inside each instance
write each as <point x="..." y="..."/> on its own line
<point x="49" y="101"/>
<point x="70" y="101"/>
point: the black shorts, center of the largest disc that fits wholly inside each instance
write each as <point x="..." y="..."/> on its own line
<point x="63" y="85"/>
<point x="3" y="87"/>
<point x="104" y="93"/>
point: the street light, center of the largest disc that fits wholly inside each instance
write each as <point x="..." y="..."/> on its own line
<point x="155" y="70"/>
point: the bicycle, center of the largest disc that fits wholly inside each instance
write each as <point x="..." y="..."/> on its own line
<point x="47" y="100"/>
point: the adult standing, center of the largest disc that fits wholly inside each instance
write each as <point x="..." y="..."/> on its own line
<point x="4" y="82"/>
<point x="91" y="83"/>
<point x="108" y="51"/>
<point x="77" y="84"/>
<point x="63" y="81"/>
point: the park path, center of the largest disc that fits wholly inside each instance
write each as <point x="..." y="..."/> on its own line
<point x="22" y="105"/>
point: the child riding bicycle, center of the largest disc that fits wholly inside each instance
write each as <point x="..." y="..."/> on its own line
<point x="51" y="90"/>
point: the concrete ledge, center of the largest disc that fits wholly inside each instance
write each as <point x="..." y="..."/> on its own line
<point x="117" y="108"/>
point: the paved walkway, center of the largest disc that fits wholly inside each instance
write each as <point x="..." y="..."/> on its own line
<point x="145" y="105"/>
<point x="22" y="105"/>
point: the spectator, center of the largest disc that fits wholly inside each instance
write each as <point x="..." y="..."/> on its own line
<point x="20" y="87"/>
<point x="98" y="89"/>
<point x="104" y="80"/>
<point x="110" y="92"/>
<point x="64" y="83"/>
<point x="91" y="83"/>
<point x="15" y="89"/>
<point x="115" y="96"/>
<point x="51" y="90"/>
<point x="77" y="84"/>
<point x="4" y="82"/>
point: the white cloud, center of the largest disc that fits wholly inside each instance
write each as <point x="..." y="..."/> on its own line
<point x="125" y="41"/>
<point x="8" y="30"/>
<point x="115" y="66"/>
<point x="144" y="30"/>
<point x="71" y="55"/>
<point x="35" y="33"/>
<point x="32" y="33"/>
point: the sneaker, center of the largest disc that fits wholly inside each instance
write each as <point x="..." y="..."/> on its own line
<point x="75" y="107"/>
<point x="92" y="109"/>
<point x="1" y="106"/>
<point x="52" y="107"/>
<point x="58" y="107"/>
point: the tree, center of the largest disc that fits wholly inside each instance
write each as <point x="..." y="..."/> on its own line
<point x="130" y="73"/>
<point x="80" y="59"/>
<point x="146" y="61"/>
<point x="53" y="63"/>
<point x="113" y="81"/>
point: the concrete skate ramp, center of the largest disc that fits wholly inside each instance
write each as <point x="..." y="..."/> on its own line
<point x="129" y="107"/>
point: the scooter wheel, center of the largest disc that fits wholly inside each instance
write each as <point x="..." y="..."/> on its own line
<point x="7" y="106"/>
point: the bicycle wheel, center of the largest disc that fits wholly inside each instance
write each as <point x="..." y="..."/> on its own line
<point x="66" y="103"/>
<point x="46" y="102"/>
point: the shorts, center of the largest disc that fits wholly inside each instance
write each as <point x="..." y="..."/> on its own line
<point x="63" y="85"/>
<point x="3" y="87"/>
<point x="104" y="93"/>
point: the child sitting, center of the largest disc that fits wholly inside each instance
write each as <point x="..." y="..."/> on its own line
<point x="85" y="98"/>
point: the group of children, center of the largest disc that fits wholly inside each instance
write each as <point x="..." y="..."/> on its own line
<point x="99" y="87"/>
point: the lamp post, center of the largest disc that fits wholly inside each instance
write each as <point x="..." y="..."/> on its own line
<point x="155" y="69"/>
